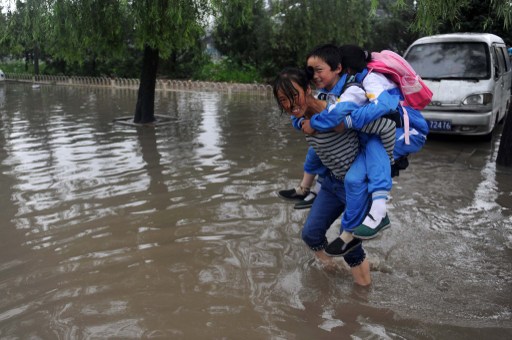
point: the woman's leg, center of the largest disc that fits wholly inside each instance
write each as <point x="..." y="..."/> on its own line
<point x="359" y="266"/>
<point x="325" y="210"/>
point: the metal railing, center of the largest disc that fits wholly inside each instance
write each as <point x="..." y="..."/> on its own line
<point x="127" y="83"/>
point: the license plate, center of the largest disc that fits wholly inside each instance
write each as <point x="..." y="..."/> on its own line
<point x="440" y="125"/>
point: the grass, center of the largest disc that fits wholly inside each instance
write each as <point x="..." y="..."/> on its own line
<point x="223" y="70"/>
<point x="227" y="71"/>
<point x="19" y="67"/>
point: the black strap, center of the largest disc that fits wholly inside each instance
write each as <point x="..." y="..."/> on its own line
<point x="347" y="85"/>
<point x="324" y="96"/>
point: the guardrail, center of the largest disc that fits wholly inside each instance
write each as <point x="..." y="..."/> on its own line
<point x="126" y="83"/>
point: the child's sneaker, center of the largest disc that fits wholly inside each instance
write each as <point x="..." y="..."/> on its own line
<point x="364" y="232"/>
<point x="339" y="248"/>
<point x="307" y="202"/>
<point x="295" y="194"/>
<point x="400" y="164"/>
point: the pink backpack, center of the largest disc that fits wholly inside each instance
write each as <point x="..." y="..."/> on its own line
<point x="417" y="95"/>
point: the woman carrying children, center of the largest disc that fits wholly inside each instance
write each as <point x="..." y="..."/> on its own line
<point x="337" y="151"/>
<point x="384" y="98"/>
<point x="325" y="67"/>
<point x="377" y="138"/>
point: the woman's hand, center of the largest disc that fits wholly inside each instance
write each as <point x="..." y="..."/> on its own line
<point x="340" y="128"/>
<point x="306" y="127"/>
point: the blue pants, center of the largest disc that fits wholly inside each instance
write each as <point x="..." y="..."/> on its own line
<point x="356" y="188"/>
<point x="370" y="173"/>
<point x="378" y="168"/>
<point x="327" y="207"/>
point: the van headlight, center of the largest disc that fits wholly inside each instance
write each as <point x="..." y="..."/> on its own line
<point x="478" y="99"/>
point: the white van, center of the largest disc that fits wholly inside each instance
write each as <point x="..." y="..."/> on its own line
<point x="470" y="76"/>
<point x="2" y="76"/>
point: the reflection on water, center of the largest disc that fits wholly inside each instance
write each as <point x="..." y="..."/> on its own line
<point x="176" y="231"/>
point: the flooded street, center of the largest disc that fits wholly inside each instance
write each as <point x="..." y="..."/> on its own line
<point x="176" y="231"/>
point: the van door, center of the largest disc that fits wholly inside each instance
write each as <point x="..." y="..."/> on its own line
<point x="497" y="81"/>
<point x="499" y="85"/>
<point x="507" y="77"/>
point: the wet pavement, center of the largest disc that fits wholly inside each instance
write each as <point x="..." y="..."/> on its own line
<point x="176" y="231"/>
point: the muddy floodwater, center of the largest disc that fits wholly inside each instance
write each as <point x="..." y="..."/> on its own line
<point x="176" y="231"/>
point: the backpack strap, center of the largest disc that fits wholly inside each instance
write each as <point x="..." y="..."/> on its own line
<point x="322" y="96"/>
<point x="406" y="123"/>
<point x="347" y="85"/>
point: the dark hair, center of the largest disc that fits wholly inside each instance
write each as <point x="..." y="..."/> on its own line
<point x="354" y="57"/>
<point x="329" y="53"/>
<point x="284" y="82"/>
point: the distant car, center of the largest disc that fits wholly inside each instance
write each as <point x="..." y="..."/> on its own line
<point x="470" y="76"/>
<point x="2" y="75"/>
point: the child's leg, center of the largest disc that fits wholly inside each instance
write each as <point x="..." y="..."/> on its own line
<point x="314" y="165"/>
<point x="309" y="193"/>
<point x="356" y="207"/>
<point x="311" y="165"/>
<point x="379" y="186"/>
<point x="300" y="192"/>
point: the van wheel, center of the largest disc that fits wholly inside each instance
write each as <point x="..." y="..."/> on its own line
<point x="509" y="112"/>
<point x="488" y="137"/>
<point x="506" y="113"/>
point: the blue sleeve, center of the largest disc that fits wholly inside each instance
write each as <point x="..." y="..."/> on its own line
<point x="361" y="116"/>
<point x="328" y="120"/>
<point x="297" y="122"/>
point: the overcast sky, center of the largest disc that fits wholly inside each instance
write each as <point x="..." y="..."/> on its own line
<point x="5" y="4"/>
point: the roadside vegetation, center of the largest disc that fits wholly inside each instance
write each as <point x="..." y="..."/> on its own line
<point x="243" y="41"/>
<point x="246" y="42"/>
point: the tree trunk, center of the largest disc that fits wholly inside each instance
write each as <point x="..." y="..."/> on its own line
<point x="505" y="150"/>
<point x="36" y="60"/>
<point x="145" y="109"/>
<point x="27" y="61"/>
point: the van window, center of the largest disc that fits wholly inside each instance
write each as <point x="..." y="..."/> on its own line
<point x="497" y="61"/>
<point x="502" y="52"/>
<point x="450" y="60"/>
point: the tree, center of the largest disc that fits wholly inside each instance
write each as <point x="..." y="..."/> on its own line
<point x="162" y="27"/>
<point x="25" y="30"/>
<point x="432" y="14"/>
<point x="96" y="29"/>
<point x="242" y="32"/>
<point x="273" y="34"/>
<point x="301" y="25"/>
<point x="391" y="27"/>
<point x="89" y="31"/>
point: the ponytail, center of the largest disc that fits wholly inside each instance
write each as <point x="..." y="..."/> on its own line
<point x="354" y="57"/>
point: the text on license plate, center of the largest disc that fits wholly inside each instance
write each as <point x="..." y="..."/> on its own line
<point x="440" y="125"/>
